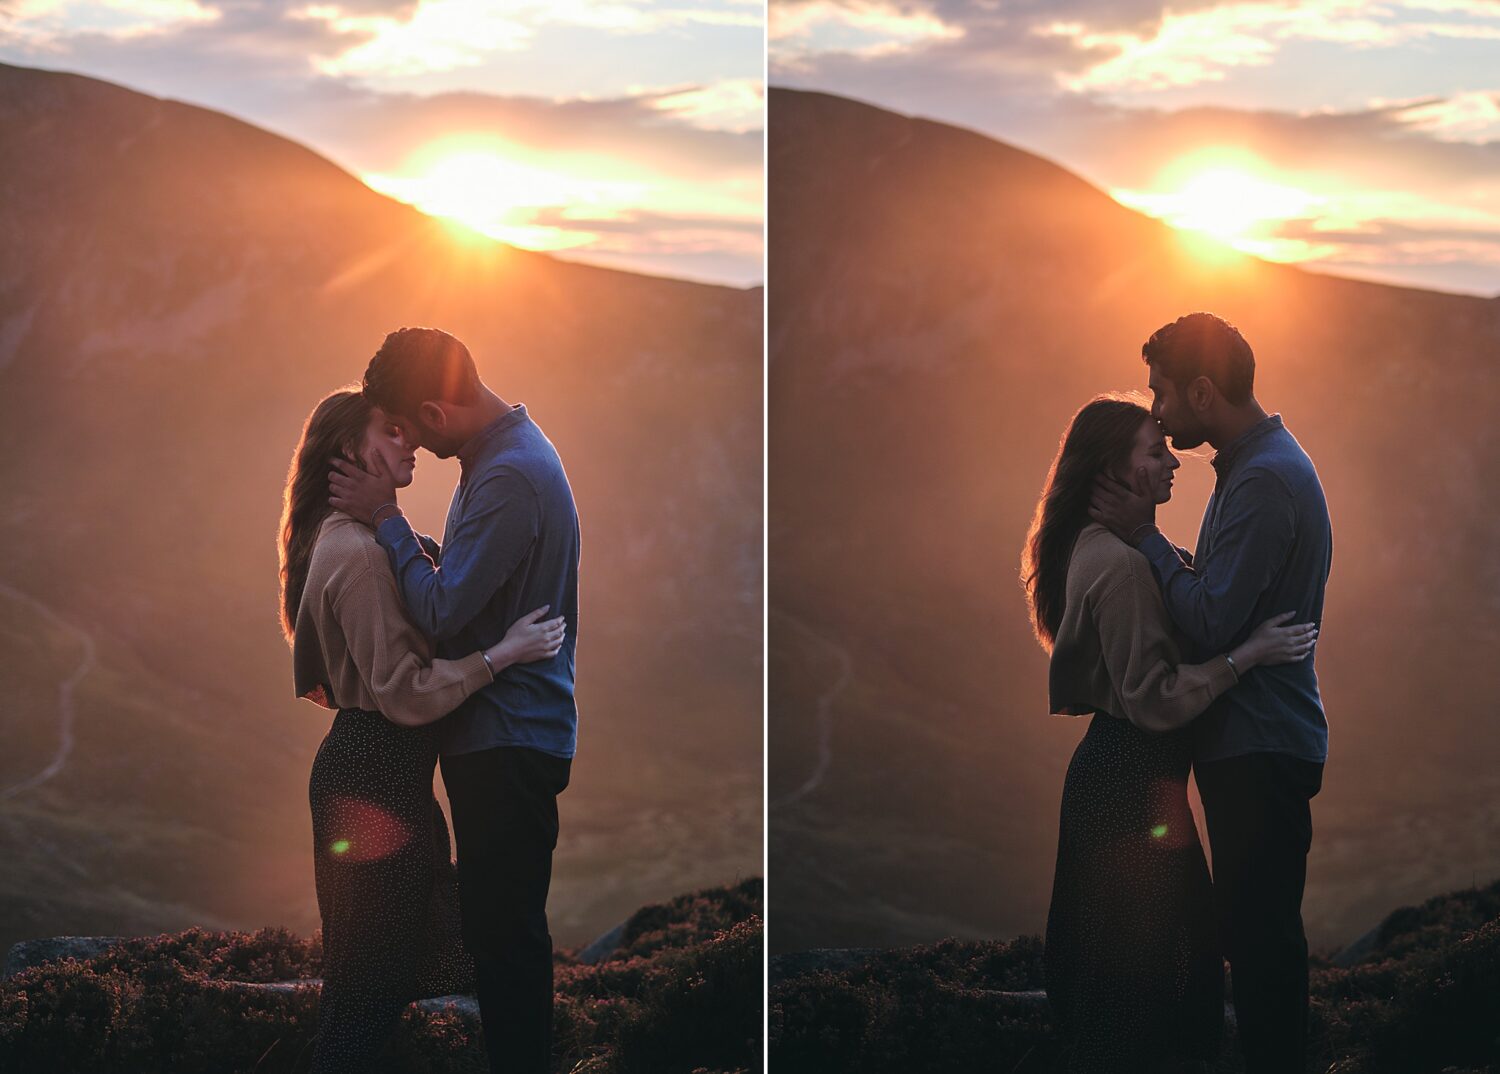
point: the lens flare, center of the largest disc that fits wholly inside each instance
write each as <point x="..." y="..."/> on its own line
<point x="363" y="831"/>
<point x="1159" y="831"/>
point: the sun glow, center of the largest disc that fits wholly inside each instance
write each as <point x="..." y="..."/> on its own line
<point x="493" y="189"/>
<point x="1226" y="195"/>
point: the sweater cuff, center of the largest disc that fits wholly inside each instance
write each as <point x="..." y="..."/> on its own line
<point x="476" y="673"/>
<point x="1221" y="675"/>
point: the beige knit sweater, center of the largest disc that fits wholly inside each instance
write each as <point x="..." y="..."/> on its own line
<point x="353" y="646"/>
<point x="1115" y="651"/>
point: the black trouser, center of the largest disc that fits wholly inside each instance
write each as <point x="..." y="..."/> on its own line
<point x="1259" y="831"/>
<point x="505" y="826"/>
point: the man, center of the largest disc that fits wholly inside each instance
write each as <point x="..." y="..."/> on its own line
<point x="1265" y="547"/>
<point x="510" y="544"/>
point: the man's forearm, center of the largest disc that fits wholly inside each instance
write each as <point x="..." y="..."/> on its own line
<point x="1181" y="590"/>
<point x="411" y="564"/>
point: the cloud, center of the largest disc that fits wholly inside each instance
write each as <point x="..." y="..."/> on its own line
<point x="357" y="38"/>
<point x="442" y="35"/>
<point x="1185" y="49"/>
<point x="1092" y="46"/>
<point x="436" y="35"/>
<point x="729" y="105"/>
<point x="858" y="27"/>
<point x="1466" y="117"/>
<point x="40" y="24"/>
<point x="1373" y="148"/>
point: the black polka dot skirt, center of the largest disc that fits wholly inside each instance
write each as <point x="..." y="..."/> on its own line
<point x="1133" y="971"/>
<point x="387" y="891"/>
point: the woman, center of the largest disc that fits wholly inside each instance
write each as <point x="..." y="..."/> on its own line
<point x="386" y="890"/>
<point x="1133" y="971"/>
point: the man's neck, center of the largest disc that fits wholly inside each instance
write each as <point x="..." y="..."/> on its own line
<point x="484" y="412"/>
<point x="490" y="407"/>
<point x="1236" y="424"/>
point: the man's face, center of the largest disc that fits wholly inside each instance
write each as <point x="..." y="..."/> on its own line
<point x="415" y="432"/>
<point x="1170" y="408"/>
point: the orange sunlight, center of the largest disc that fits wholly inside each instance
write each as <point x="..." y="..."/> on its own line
<point x="490" y="186"/>
<point x="1226" y="195"/>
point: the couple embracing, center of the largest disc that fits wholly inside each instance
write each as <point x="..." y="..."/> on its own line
<point x="462" y="651"/>
<point x="1200" y="661"/>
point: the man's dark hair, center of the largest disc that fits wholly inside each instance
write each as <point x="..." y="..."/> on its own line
<point x="1203" y="345"/>
<point x="414" y="365"/>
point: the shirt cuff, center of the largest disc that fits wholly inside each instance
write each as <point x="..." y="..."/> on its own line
<point x="392" y="531"/>
<point x="1161" y="554"/>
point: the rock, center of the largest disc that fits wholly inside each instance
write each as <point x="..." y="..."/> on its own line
<point x="1359" y="950"/>
<point x="275" y="986"/>
<point x="435" y="1005"/>
<point x="28" y="953"/>
<point x="604" y="946"/>
<point x="462" y="1004"/>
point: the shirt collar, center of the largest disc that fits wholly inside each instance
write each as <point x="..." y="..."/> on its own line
<point x="491" y="436"/>
<point x="1241" y="444"/>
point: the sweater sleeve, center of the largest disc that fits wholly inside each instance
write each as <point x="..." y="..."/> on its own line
<point x="1156" y="692"/>
<point x="387" y="652"/>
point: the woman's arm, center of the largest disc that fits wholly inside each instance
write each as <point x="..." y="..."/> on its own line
<point x="1157" y="692"/>
<point x="387" y="651"/>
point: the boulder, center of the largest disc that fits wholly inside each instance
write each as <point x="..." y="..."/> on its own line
<point x="29" y="953"/>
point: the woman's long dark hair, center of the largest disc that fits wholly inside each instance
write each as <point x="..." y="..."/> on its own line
<point x="335" y="429"/>
<point x="1099" y="438"/>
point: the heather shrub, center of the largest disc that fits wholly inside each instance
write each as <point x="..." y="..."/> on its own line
<point x="684" y="996"/>
<point x="1427" y="1001"/>
<point x="703" y="1010"/>
<point x="940" y="1007"/>
<point x="690" y="919"/>
<point x="1435" y="1010"/>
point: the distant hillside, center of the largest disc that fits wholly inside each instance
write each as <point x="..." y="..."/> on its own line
<point x="682" y="992"/>
<point x="1421" y="1000"/>
<point x="940" y="304"/>
<point x="177" y="289"/>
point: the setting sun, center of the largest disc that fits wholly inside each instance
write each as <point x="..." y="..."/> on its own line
<point x="1225" y="195"/>
<point x="494" y="190"/>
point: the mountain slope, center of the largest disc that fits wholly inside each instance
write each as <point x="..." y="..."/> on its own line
<point x="940" y="304"/>
<point x="178" y="289"/>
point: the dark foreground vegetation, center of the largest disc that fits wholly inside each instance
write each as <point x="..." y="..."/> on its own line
<point x="680" y="994"/>
<point x="1422" y="998"/>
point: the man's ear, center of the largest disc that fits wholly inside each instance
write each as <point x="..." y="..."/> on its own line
<point x="1201" y="393"/>
<point x="433" y="416"/>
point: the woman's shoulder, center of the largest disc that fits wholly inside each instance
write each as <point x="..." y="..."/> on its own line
<point x="345" y="550"/>
<point x="1099" y="557"/>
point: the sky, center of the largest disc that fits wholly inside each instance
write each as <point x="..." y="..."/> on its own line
<point x="619" y="132"/>
<point x="1361" y="139"/>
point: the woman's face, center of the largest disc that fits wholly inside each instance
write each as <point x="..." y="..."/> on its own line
<point x="383" y="440"/>
<point x="1150" y="454"/>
